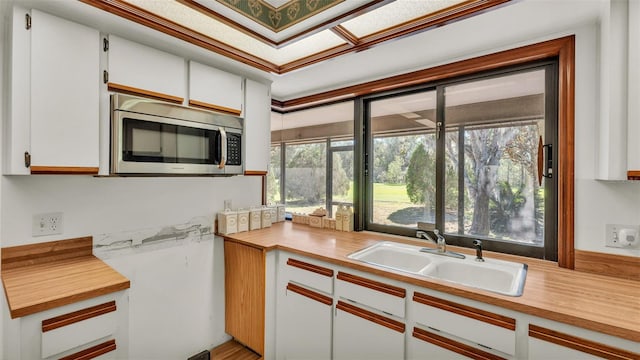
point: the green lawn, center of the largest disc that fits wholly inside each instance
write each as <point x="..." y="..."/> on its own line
<point x="390" y="192"/>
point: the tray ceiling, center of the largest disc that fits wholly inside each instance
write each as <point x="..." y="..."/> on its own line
<point x="279" y="36"/>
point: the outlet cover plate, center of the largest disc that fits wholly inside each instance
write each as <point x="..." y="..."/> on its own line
<point x="47" y="224"/>
<point x="613" y="237"/>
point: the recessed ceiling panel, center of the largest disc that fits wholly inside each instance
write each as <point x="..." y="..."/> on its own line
<point x="395" y="13"/>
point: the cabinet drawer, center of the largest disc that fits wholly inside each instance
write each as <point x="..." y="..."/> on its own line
<point x="550" y="344"/>
<point x="384" y="297"/>
<point x="71" y="330"/>
<point x="425" y="344"/>
<point x="478" y="326"/>
<point x="310" y="275"/>
<point x="101" y="351"/>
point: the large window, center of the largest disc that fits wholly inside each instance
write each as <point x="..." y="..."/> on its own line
<point x="312" y="158"/>
<point x="463" y="154"/>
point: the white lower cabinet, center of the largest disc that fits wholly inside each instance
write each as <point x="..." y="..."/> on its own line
<point x="363" y="334"/>
<point x="305" y="325"/>
<point x="327" y="311"/>
<point x="304" y="308"/>
<point x="95" y="328"/>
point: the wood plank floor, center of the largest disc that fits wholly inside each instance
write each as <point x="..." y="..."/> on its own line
<point x="233" y="350"/>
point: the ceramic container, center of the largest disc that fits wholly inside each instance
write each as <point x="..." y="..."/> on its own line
<point x="227" y="222"/>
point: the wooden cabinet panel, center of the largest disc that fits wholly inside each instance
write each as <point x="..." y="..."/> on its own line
<point x="257" y="127"/>
<point x="244" y="268"/>
<point x="214" y="89"/>
<point x="141" y="70"/>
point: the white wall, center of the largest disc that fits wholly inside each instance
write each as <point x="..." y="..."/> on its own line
<point x="93" y="206"/>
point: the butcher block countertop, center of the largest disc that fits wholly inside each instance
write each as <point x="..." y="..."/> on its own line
<point x="600" y="303"/>
<point x="43" y="276"/>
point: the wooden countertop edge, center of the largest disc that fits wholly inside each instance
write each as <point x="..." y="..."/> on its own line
<point x="462" y="291"/>
<point x="70" y="299"/>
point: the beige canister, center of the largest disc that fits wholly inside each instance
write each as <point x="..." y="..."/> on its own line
<point x="281" y="212"/>
<point x="243" y="220"/>
<point x="265" y="217"/>
<point x="255" y="218"/>
<point x="339" y="214"/>
<point x="227" y="222"/>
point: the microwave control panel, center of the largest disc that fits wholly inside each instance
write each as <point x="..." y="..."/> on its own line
<point x="234" y="149"/>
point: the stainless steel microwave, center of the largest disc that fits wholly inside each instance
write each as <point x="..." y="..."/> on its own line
<point x="154" y="137"/>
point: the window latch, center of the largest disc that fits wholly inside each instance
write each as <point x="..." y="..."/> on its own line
<point x="438" y="129"/>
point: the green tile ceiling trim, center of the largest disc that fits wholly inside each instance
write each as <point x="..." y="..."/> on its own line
<point x="277" y="19"/>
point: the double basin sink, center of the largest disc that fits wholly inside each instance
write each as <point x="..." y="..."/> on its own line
<point x="502" y="277"/>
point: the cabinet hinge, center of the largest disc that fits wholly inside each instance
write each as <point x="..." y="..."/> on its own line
<point x="105" y="76"/>
<point x="27" y="19"/>
<point x="27" y="159"/>
<point x="105" y="44"/>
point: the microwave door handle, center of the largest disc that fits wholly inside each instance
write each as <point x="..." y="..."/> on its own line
<point x="223" y="147"/>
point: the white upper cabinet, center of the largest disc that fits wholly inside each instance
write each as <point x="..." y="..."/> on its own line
<point x="257" y="127"/>
<point x="214" y="89"/>
<point x="54" y="118"/>
<point x="633" y="83"/>
<point x="141" y="70"/>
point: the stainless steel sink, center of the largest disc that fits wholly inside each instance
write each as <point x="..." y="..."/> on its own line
<point x="503" y="277"/>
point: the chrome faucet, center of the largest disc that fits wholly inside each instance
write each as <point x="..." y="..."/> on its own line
<point x="478" y="246"/>
<point x="440" y="242"/>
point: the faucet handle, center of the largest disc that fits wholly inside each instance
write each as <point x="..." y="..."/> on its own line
<point x="477" y="242"/>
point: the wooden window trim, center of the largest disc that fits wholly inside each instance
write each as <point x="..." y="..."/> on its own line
<point x="371" y="316"/>
<point x="77" y="316"/>
<point x="372" y="284"/>
<point x="310" y="267"/>
<point x="452" y="345"/>
<point x="583" y="345"/>
<point x="468" y="311"/>
<point x="310" y="294"/>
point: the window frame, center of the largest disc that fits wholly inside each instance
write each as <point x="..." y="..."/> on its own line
<point x="564" y="50"/>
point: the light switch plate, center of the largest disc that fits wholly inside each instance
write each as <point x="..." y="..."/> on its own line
<point x="613" y="236"/>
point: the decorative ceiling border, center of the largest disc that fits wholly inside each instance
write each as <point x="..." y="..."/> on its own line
<point x="278" y="44"/>
<point x="354" y="44"/>
<point x="282" y="17"/>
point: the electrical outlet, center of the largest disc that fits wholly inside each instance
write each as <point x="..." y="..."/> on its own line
<point x="227" y="204"/>
<point x="622" y="236"/>
<point x="47" y="224"/>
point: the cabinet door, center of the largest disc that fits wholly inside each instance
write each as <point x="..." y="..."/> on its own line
<point x="244" y="283"/>
<point x="141" y="70"/>
<point x="633" y="84"/>
<point x="214" y="89"/>
<point x="257" y="128"/>
<point x="64" y="95"/>
<point x="304" y="324"/>
<point x="362" y="334"/>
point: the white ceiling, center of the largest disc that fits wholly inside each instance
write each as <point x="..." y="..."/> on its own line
<point x="418" y="51"/>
